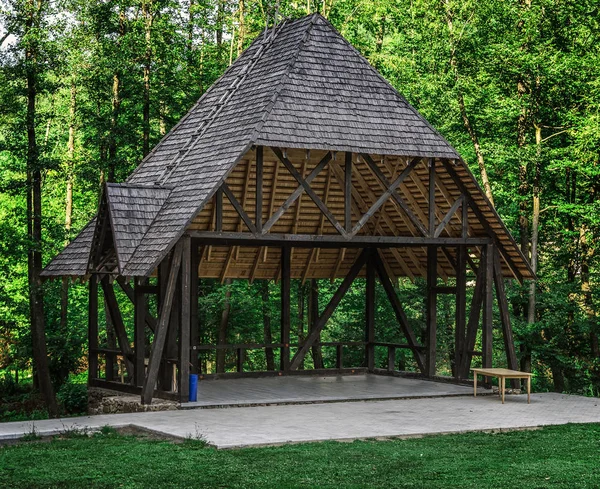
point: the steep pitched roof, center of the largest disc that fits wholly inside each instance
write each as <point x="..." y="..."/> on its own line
<point x="298" y="85"/>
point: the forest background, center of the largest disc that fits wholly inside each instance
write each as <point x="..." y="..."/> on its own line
<point x="87" y="88"/>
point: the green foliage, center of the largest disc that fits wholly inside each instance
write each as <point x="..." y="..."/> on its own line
<point x="73" y="397"/>
<point x="558" y="457"/>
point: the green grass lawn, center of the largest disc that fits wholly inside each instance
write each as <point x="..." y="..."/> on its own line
<point x="562" y="456"/>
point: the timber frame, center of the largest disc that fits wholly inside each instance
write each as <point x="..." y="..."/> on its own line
<point x="300" y="163"/>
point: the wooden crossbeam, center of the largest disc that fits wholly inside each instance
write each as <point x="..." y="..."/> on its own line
<point x="399" y="312"/>
<point x="442" y="225"/>
<point x="130" y="293"/>
<point x="309" y="191"/>
<point x="160" y="335"/>
<point x="239" y="208"/>
<point x="483" y="220"/>
<point x="391" y="188"/>
<point x="328" y="311"/>
<point x="118" y="324"/>
<point x="296" y="193"/>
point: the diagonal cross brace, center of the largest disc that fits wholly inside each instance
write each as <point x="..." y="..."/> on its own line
<point x="160" y="336"/>
<point x="400" y="314"/>
<point x="442" y="225"/>
<point x="329" y="309"/>
<point x="310" y="192"/>
<point x="239" y="208"/>
<point x="295" y="194"/>
<point x="391" y="189"/>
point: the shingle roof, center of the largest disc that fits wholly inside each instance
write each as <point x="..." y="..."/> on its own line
<point x="299" y="85"/>
<point x="73" y="260"/>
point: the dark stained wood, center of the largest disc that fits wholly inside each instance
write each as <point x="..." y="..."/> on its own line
<point x="473" y="323"/>
<point x="403" y="205"/>
<point x="118" y="324"/>
<point x="240" y="357"/>
<point x="161" y="330"/>
<point x="239" y="208"/>
<point x="185" y="320"/>
<point x="391" y="358"/>
<point x="219" y="210"/>
<point x="430" y="357"/>
<point x="507" y="333"/>
<point x="140" y="307"/>
<point x="339" y="356"/>
<point x="488" y="298"/>
<point x="285" y="307"/>
<point x="400" y="314"/>
<point x="194" y="324"/>
<point x="259" y="189"/>
<point x="348" y="192"/>
<point x="327" y="241"/>
<point x="329" y="309"/>
<point x="431" y="199"/>
<point x="93" y="327"/>
<point x="295" y="194"/>
<point x="313" y="312"/>
<point x="370" y="313"/>
<point x="309" y="191"/>
<point x="141" y="289"/>
<point x="461" y="309"/>
<point x="444" y="222"/>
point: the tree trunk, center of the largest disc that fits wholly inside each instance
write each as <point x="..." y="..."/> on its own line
<point x="222" y="337"/>
<point x="241" y="27"/>
<point x="266" y="312"/>
<point x="64" y="295"/>
<point x="34" y="214"/>
<point x="463" y="110"/>
<point x="535" y="221"/>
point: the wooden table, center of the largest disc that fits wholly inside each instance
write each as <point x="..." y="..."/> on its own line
<point x="502" y="374"/>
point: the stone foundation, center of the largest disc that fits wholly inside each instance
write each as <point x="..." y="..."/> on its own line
<point x="104" y="401"/>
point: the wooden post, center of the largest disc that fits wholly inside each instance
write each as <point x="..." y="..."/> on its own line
<point x="93" y="328"/>
<point x="285" y="308"/>
<point x="259" y="189"/>
<point x="313" y="302"/>
<point x="219" y="210"/>
<point x="430" y="357"/>
<point x="474" y="315"/>
<point x="139" y="335"/>
<point x="185" y="319"/>
<point x="488" y="297"/>
<point x="461" y="309"/>
<point x="391" y="358"/>
<point x="348" y="193"/>
<point x="161" y="328"/>
<point x="370" y="315"/>
<point x="195" y="331"/>
<point x="432" y="197"/>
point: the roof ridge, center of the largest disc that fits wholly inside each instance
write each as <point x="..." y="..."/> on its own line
<point x="285" y="76"/>
<point x="223" y="101"/>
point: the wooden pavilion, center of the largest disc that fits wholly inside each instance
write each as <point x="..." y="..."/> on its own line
<point x="300" y="162"/>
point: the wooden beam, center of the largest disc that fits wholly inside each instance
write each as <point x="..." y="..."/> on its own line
<point x="219" y="210"/>
<point x="400" y="314"/>
<point x="487" y="324"/>
<point x="383" y="179"/>
<point x="431" y="310"/>
<point x="130" y="293"/>
<point x="259" y="189"/>
<point x="313" y="318"/>
<point x="239" y="208"/>
<point x="338" y="264"/>
<point x="286" y="265"/>
<point x="431" y="199"/>
<point x="296" y="193"/>
<point x="195" y="332"/>
<point x="161" y="331"/>
<point x="461" y="309"/>
<point x="328" y="311"/>
<point x="118" y="324"/>
<point x="93" y="327"/>
<point x="140" y="309"/>
<point x="310" y="192"/>
<point x="185" y="325"/>
<point x="473" y="323"/>
<point x="442" y="225"/>
<point x="348" y="192"/>
<point x="507" y="333"/>
<point x="370" y="313"/>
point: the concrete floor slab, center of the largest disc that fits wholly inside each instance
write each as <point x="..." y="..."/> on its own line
<point x="272" y="425"/>
<point x="309" y="389"/>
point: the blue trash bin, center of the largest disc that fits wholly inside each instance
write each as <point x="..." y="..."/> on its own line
<point x="193" y="387"/>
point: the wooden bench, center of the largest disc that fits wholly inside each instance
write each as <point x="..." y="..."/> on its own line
<point x="502" y="374"/>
